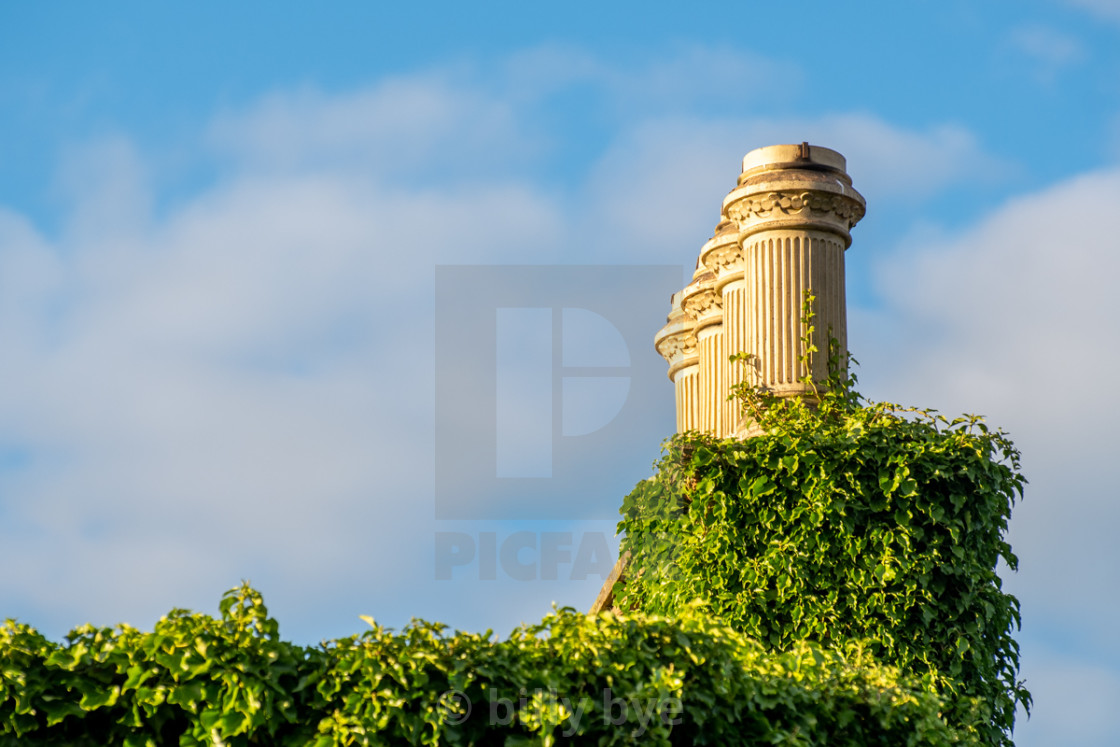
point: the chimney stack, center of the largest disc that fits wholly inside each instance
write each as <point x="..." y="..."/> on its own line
<point x="783" y="232"/>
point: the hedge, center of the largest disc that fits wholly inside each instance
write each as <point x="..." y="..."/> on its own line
<point x="604" y="680"/>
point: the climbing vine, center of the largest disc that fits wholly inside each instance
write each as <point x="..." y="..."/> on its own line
<point x="605" y="680"/>
<point x="843" y="520"/>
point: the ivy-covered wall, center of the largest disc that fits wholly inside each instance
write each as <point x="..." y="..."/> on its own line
<point x="844" y="522"/>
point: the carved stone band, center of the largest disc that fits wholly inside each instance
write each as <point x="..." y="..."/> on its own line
<point x="844" y="208"/>
<point x="703" y="304"/>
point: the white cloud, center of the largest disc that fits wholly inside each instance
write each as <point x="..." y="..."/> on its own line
<point x="1014" y="317"/>
<point x="673" y="81"/>
<point x="1047" y="44"/>
<point x="705" y="73"/>
<point x="107" y="185"/>
<point x="890" y="163"/>
<point x="1074" y="703"/>
<point x="428" y="125"/>
<point x="1050" y="50"/>
<point x="1018" y="306"/>
<point x="240" y="388"/>
<point x="1107" y="9"/>
<point x="656" y="191"/>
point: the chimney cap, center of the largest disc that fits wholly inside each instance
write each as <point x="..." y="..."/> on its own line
<point x="800" y="156"/>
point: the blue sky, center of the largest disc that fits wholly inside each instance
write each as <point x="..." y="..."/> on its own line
<point x="219" y="233"/>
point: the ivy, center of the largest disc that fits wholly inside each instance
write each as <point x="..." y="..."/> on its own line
<point x="607" y="680"/>
<point x="841" y="521"/>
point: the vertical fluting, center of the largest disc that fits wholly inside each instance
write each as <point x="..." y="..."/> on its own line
<point x="768" y="351"/>
<point x="786" y="319"/>
<point x="713" y="390"/>
<point x="687" y="388"/>
<point x="720" y="399"/>
<point x="782" y="268"/>
<point x="783" y="233"/>
<point x="826" y="282"/>
<point x="692" y="381"/>
<point x="756" y="278"/>
<point x="735" y="339"/>
<point x="842" y="336"/>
